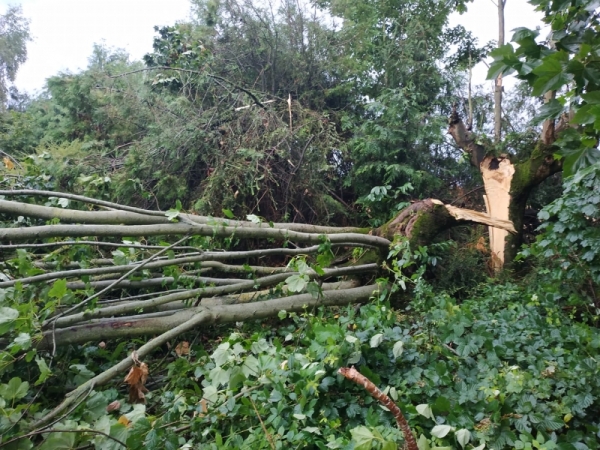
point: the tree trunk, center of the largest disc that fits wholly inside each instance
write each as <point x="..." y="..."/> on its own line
<point x="508" y="184"/>
<point x="498" y="88"/>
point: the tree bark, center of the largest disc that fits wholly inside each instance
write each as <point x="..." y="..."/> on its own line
<point x="188" y="319"/>
<point x="498" y="88"/>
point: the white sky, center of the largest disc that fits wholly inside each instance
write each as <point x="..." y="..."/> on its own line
<point x="482" y="20"/>
<point x="64" y="31"/>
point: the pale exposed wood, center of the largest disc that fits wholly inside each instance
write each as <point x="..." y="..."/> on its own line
<point x="497" y="173"/>
<point x="470" y="215"/>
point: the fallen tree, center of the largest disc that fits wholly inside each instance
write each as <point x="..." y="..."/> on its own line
<point x="191" y="275"/>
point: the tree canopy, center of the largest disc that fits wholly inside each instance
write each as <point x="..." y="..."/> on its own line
<point x="14" y="35"/>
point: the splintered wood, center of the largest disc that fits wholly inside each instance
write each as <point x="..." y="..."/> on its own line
<point x="478" y="217"/>
<point x="497" y="176"/>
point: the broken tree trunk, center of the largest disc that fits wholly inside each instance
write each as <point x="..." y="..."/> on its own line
<point x="508" y="184"/>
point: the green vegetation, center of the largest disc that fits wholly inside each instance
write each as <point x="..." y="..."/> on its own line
<point x="193" y="245"/>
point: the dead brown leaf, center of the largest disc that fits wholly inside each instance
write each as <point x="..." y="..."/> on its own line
<point x="136" y="379"/>
<point x="183" y="348"/>
<point x="8" y="163"/>
<point x="113" y="406"/>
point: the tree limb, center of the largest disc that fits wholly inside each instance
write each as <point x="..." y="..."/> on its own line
<point x="215" y="315"/>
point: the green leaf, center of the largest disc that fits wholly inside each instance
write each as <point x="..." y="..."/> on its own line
<point x="363" y="437"/>
<point x="251" y="367"/>
<point x="7" y="317"/>
<point x="59" y="289"/>
<point x="498" y="68"/>
<point x="423" y="443"/>
<point x="237" y="378"/>
<point x="210" y="394"/>
<point x="228" y="213"/>
<point x="23" y="340"/>
<point x="219" y="376"/>
<point x="550" y="423"/>
<point x="376" y="340"/>
<point x="221" y="354"/>
<point x="439" y="431"/>
<point x="522" y="33"/>
<point x="578" y="159"/>
<point x="425" y="410"/>
<point x="463" y="436"/>
<point x="172" y="214"/>
<point x="504" y="61"/>
<point x="314" y="289"/>
<point x="389" y="445"/>
<point x="398" y="349"/>
<point x="549" y="110"/>
<point x="296" y="283"/>
<point x="592" y="98"/>
<point x="586" y="114"/>
<point x="14" y="390"/>
<point x="59" y="441"/>
<point x="354" y="358"/>
<point x="119" y="432"/>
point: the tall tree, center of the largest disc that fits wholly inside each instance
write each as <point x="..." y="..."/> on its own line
<point x="14" y="35"/>
<point x="564" y="69"/>
<point x="391" y="62"/>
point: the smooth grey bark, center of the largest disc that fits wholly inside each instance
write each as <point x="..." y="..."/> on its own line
<point x="128" y="307"/>
<point x="98" y="330"/>
<point x="204" y="316"/>
<point x="498" y="88"/>
<point x="57" y="231"/>
<point x="134" y="216"/>
<point x="150" y="282"/>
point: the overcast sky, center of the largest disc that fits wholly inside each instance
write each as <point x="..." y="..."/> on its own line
<point x="64" y="31"/>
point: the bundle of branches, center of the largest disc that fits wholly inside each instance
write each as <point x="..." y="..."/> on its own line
<point x="174" y="272"/>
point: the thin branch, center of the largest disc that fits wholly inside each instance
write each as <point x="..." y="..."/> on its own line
<point x="106" y="270"/>
<point x="152" y="217"/>
<point x="199" y="294"/>
<point x="95" y="243"/>
<point x="214" y="315"/>
<point x="354" y="375"/>
<point x="197" y="72"/>
<point x="262" y="424"/>
<point x="81" y="198"/>
<point x="77" y="396"/>
<point x="57" y="231"/>
<point x="106" y="289"/>
<point x="149" y="282"/>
